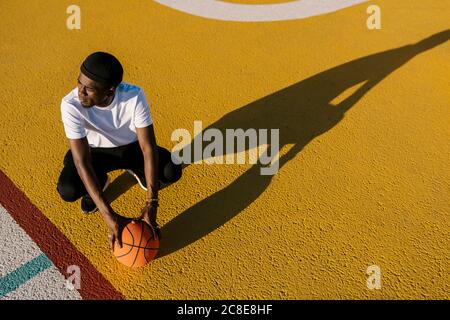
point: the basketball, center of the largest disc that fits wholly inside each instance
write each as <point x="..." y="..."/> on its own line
<point x="140" y="245"/>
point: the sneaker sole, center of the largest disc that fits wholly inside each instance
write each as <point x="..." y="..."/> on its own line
<point x="104" y="188"/>
<point x="138" y="180"/>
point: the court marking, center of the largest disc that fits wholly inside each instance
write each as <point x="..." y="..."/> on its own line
<point x="25" y="271"/>
<point x="53" y="243"/>
<point x="29" y="270"/>
<point x="226" y="11"/>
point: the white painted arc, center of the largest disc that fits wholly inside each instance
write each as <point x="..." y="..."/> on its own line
<point x="227" y="11"/>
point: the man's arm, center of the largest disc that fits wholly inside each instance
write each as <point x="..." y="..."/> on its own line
<point x="147" y="142"/>
<point x="83" y="162"/>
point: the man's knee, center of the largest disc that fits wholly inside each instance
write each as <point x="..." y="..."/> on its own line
<point x="68" y="192"/>
<point x="171" y="173"/>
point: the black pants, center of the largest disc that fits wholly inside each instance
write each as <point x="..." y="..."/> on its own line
<point x="71" y="187"/>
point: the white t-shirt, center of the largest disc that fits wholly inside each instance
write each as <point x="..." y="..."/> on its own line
<point x="111" y="126"/>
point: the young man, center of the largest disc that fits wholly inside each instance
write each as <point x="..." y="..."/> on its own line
<point x="108" y="125"/>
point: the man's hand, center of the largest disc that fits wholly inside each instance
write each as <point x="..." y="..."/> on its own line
<point x="148" y="214"/>
<point x="115" y="224"/>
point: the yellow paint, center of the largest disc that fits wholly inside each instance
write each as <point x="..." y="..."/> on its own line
<point x="258" y="1"/>
<point x="347" y="93"/>
<point x="371" y="190"/>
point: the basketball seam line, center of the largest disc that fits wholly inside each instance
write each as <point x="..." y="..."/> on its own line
<point x="140" y="240"/>
<point x="152" y="237"/>
<point x="140" y="247"/>
<point x="132" y="237"/>
<point x="145" y="257"/>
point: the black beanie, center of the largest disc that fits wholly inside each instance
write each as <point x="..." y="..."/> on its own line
<point x="104" y="68"/>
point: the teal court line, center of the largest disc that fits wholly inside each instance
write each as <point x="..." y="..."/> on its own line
<point x="29" y="270"/>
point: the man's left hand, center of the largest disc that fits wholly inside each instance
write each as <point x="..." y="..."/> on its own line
<point x="148" y="214"/>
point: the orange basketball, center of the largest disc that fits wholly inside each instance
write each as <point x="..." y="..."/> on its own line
<point x="140" y="245"/>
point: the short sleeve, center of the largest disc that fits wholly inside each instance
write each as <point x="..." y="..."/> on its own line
<point x="73" y="123"/>
<point x="142" y="117"/>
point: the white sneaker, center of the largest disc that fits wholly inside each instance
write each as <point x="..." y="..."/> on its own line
<point x="140" y="180"/>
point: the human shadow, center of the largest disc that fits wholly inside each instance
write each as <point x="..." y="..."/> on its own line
<point x="122" y="184"/>
<point x="119" y="186"/>
<point x="302" y="112"/>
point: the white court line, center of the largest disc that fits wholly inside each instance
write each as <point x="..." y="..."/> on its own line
<point x="16" y="250"/>
<point x="17" y="247"/>
<point x="227" y="11"/>
<point x="50" y="284"/>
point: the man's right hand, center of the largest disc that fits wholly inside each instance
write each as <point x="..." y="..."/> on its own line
<point x="116" y="223"/>
<point x="82" y="158"/>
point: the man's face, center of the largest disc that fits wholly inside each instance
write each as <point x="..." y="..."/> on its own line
<point x="91" y="92"/>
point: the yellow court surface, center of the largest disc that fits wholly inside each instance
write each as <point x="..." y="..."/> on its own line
<point x="363" y="116"/>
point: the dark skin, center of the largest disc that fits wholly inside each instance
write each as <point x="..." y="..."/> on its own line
<point x="92" y="93"/>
